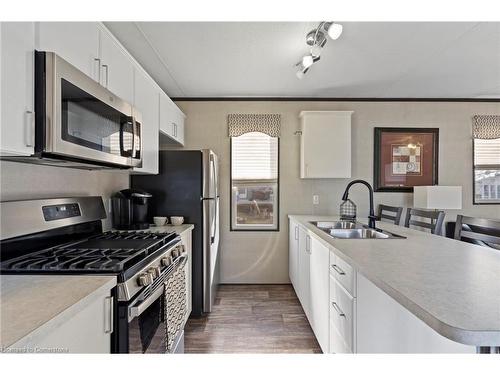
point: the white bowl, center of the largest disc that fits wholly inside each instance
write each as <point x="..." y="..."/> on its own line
<point x="160" y="220"/>
<point x="177" y="220"/>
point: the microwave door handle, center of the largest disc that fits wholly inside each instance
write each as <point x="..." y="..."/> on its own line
<point x="134" y="136"/>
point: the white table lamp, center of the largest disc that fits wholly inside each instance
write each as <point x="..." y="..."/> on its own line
<point x="437" y="197"/>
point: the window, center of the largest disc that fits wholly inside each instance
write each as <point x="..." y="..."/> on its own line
<point x="254" y="182"/>
<point x="486" y="171"/>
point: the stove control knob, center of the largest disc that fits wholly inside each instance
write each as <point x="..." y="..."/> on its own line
<point x="167" y="261"/>
<point x="144" y="279"/>
<point x="183" y="249"/>
<point x="154" y="272"/>
<point x="176" y="252"/>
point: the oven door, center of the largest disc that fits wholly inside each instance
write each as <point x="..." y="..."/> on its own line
<point x="146" y="324"/>
<point x="83" y="120"/>
<point x="153" y="322"/>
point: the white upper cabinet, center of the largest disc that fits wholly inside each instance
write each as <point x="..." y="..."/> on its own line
<point x="75" y="42"/>
<point x="146" y="100"/>
<point x="116" y="67"/>
<point x="17" y="88"/>
<point x="325" y="148"/>
<point x="91" y="48"/>
<point x="171" y="122"/>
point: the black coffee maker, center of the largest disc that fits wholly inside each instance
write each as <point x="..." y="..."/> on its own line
<point x="130" y="209"/>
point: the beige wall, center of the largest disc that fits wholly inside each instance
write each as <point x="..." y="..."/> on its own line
<point x="28" y="181"/>
<point x="263" y="257"/>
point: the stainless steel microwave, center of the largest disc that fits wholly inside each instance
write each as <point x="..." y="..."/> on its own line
<point x="79" y="123"/>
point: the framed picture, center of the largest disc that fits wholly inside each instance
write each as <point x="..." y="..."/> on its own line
<point x="404" y="158"/>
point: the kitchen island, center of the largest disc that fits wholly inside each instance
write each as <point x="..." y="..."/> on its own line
<point x="451" y="286"/>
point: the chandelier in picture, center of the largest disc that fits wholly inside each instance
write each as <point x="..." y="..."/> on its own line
<point x="316" y="40"/>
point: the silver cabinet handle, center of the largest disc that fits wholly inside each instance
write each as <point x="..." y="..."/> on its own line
<point x="308" y="244"/>
<point x="105" y="66"/>
<point x="339" y="270"/>
<point x="98" y="60"/>
<point x="30" y="129"/>
<point x="109" y="317"/>
<point x="296" y="232"/>
<point x="337" y="308"/>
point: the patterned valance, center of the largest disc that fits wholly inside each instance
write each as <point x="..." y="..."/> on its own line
<point x="239" y="124"/>
<point x="486" y="126"/>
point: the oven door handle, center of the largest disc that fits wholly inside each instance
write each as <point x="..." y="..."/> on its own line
<point x="136" y="310"/>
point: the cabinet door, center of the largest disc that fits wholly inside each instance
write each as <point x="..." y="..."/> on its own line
<point x="171" y="122"/>
<point x="86" y="331"/>
<point x="117" y="71"/>
<point x="76" y="42"/>
<point x="320" y="281"/>
<point x="187" y="242"/>
<point x="17" y="117"/>
<point x="146" y="100"/>
<point x="304" y="273"/>
<point x="325" y="144"/>
<point x="293" y="253"/>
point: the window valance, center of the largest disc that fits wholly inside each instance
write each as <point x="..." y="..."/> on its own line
<point x="239" y="124"/>
<point x="486" y="126"/>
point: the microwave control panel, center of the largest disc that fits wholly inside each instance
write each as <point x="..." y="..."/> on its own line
<point x="61" y="211"/>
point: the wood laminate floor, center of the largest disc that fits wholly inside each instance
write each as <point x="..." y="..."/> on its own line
<point x="252" y="319"/>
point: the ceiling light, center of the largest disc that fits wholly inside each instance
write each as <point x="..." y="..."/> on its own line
<point x="316" y="50"/>
<point x="307" y="61"/>
<point x="316" y="40"/>
<point x="304" y="65"/>
<point x="334" y="30"/>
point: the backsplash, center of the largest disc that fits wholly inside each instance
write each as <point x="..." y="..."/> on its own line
<point x="27" y="181"/>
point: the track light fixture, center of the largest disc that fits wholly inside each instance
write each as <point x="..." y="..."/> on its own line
<point x="316" y="40"/>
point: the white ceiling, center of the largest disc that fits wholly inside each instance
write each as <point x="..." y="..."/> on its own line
<point x="370" y="59"/>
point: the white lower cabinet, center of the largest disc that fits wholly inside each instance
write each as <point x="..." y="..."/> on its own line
<point x="319" y="256"/>
<point x="347" y="312"/>
<point x="293" y="254"/>
<point x="342" y="319"/>
<point x="309" y="274"/>
<point x="385" y="326"/>
<point x="83" y="329"/>
<point x="304" y="277"/>
<point x="187" y="241"/>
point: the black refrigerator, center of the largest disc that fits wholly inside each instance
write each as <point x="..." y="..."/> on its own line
<point x="187" y="185"/>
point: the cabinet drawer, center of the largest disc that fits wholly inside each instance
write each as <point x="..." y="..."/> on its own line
<point x="342" y="306"/>
<point x="343" y="272"/>
<point x="337" y="342"/>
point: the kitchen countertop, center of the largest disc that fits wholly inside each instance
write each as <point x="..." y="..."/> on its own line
<point x="452" y="286"/>
<point x="179" y="229"/>
<point x="28" y="302"/>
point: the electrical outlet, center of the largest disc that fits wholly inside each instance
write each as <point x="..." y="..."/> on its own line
<point x="315" y="199"/>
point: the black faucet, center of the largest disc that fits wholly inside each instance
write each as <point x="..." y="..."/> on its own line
<point x="371" y="215"/>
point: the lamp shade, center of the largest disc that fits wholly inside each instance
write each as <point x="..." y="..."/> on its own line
<point x="437" y="197"/>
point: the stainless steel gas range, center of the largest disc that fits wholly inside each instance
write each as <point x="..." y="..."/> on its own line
<point x="64" y="236"/>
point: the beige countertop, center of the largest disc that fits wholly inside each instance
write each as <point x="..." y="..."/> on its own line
<point x="452" y="286"/>
<point x="28" y="302"/>
<point x="179" y="229"/>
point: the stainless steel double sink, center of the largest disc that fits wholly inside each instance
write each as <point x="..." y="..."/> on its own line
<point x="352" y="230"/>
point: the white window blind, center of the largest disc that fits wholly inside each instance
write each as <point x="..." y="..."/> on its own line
<point x="254" y="157"/>
<point x="487" y="153"/>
